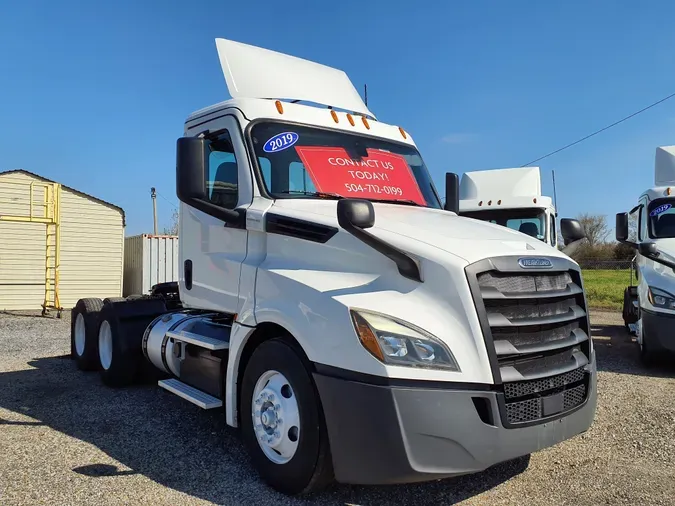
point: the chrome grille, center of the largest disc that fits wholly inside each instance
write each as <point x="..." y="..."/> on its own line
<point x="537" y="333"/>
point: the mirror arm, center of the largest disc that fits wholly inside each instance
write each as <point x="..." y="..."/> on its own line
<point x="661" y="261"/>
<point x="629" y="243"/>
<point x="407" y="266"/>
<point x="227" y="215"/>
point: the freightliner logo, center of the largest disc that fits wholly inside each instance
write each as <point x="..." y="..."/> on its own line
<point x="534" y="263"/>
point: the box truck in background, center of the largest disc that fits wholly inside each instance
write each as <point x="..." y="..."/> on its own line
<point x="513" y="198"/>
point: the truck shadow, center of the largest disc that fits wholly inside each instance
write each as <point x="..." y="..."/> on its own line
<point x="618" y="352"/>
<point x="155" y="434"/>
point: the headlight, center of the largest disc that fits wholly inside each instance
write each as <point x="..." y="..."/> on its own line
<point x="661" y="298"/>
<point x="396" y="342"/>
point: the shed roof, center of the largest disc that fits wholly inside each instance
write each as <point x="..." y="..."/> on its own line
<point x="69" y="188"/>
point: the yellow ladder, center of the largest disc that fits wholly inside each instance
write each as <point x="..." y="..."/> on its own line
<point x="52" y="205"/>
<point x="51" y="217"/>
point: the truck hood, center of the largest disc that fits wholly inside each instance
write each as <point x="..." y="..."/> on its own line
<point x="467" y="238"/>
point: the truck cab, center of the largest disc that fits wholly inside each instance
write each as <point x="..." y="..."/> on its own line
<point x="649" y="306"/>
<point x="350" y="324"/>
<point x="513" y="198"/>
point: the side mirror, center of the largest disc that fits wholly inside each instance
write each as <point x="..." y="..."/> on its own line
<point x="451" y="192"/>
<point x="191" y="163"/>
<point x="648" y="249"/>
<point x="355" y="213"/>
<point x="621" y="228"/>
<point x="571" y="230"/>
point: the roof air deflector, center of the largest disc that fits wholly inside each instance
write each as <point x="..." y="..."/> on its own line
<point x="254" y="72"/>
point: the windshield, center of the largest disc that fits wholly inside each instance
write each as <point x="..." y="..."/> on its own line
<point x="528" y="221"/>
<point x="307" y="162"/>
<point x="662" y="218"/>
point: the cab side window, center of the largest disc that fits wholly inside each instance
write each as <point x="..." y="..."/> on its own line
<point x="222" y="183"/>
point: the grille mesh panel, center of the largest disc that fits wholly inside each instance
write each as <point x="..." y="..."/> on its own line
<point x="529" y="308"/>
<point x="509" y="283"/>
<point x="574" y="396"/>
<point x="523" y="411"/>
<point x="524" y="388"/>
<point x="535" y="335"/>
<point x="531" y="410"/>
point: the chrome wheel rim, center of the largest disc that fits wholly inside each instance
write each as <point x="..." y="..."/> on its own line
<point x="276" y="417"/>
<point x="80" y="334"/>
<point x="105" y="345"/>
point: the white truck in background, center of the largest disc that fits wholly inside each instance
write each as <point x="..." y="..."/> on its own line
<point x="649" y="307"/>
<point x="353" y="327"/>
<point x="513" y="198"/>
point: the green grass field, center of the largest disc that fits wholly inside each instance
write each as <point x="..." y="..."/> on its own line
<point x="604" y="288"/>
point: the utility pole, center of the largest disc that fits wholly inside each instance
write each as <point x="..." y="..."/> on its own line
<point x="153" y="194"/>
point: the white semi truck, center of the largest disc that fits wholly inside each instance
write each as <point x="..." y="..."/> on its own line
<point x="649" y="307"/>
<point x="513" y="198"/>
<point x="353" y="327"/>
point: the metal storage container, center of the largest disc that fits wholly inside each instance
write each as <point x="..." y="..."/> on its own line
<point x="148" y="260"/>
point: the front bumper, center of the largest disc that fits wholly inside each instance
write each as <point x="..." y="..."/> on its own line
<point x="659" y="329"/>
<point x="384" y="434"/>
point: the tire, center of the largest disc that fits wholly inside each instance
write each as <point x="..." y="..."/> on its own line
<point x="309" y="467"/>
<point x="84" y="333"/>
<point x="112" y="299"/>
<point x="119" y="362"/>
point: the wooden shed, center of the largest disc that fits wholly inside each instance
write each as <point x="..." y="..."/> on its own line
<point x="57" y="244"/>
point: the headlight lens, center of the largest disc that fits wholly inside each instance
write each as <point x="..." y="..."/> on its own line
<point x="661" y="298"/>
<point x="396" y="342"/>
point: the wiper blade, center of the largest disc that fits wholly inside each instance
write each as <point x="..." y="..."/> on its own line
<point x="405" y="202"/>
<point x="323" y="195"/>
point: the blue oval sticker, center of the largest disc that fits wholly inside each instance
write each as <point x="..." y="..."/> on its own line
<point x="661" y="209"/>
<point x="280" y="142"/>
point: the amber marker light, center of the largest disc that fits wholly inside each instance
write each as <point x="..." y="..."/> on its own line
<point x="367" y="336"/>
<point x="280" y="107"/>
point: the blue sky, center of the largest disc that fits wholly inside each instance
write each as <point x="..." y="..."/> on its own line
<point x="94" y="94"/>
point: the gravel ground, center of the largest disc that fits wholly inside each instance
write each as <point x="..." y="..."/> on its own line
<point x="66" y="439"/>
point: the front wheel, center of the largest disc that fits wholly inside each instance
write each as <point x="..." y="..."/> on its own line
<point x="282" y="421"/>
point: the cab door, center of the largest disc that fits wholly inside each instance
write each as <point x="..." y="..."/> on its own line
<point x="212" y="251"/>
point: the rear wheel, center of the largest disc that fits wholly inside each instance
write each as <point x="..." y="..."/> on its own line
<point x="282" y="420"/>
<point x="119" y="361"/>
<point x="83" y="333"/>
<point x="112" y="299"/>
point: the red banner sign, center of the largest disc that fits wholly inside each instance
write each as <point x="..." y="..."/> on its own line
<point x="380" y="175"/>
